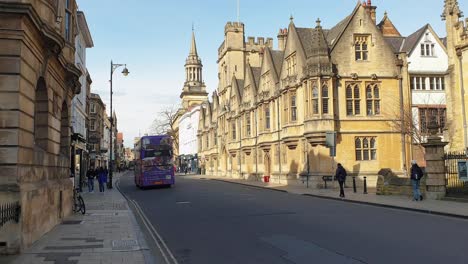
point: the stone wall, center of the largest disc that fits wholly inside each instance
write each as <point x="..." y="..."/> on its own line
<point x="37" y="82"/>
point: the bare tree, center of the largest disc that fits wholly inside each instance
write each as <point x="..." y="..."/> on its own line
<point x="411" y="126"/>
<point x="165" y="124"/>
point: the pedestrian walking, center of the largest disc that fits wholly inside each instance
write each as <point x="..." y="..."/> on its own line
<point x="102" y="178"/>
<point x="90" y="175"/>
<point x="416" y="176"/>
<point x="341" y="177"/>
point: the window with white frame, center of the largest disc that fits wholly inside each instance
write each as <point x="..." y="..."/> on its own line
<point x="434" y="83"/>
<point x="427" y="49"/>
<point x="93" y="108"/>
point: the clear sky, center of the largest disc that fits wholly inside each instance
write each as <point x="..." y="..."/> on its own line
<point x="153" y="38"/>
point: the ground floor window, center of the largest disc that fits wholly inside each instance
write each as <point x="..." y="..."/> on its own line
<point x="366" y="148"/>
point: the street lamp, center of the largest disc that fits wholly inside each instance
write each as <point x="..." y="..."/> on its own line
<point x="125" y="72"/>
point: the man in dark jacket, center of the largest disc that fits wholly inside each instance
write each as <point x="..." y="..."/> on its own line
<point x="416" y="175"/>
<point x="90" y="175"/>
<point x="341" y="177"/>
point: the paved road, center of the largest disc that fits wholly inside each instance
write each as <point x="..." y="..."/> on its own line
<point x="206" y="221"/>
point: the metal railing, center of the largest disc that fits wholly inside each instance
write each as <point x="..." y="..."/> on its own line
<point x="9" y="212"/>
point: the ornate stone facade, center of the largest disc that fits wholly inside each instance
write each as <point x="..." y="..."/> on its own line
<point x="457" y="49"/>
<point x="38" y="79"/>
<point x="273" y="108"/>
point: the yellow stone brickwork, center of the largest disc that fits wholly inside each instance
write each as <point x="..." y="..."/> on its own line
<point x="457" y="49"/>
<point x="273" y="108"/>
<point x="38" y="79"/>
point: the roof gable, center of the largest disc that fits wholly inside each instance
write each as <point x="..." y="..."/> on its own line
<point x="413" y="40"/>
<point x="335" y="33"/>
<point x="387" y="27"/>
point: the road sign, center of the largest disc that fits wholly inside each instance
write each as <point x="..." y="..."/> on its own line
<point x="330" y="140"/>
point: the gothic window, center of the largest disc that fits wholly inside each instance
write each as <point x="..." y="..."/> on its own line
<point x="248" y="124"/>
<point x="293" y="107"/>
<point x="315" y="100"/>
<point x="267" y="117"/>
<point x="353" y="100"/>
<point x="365" y="148"/>
<point x="361" y="44"/>
<point x="286" y="108"/>
<point x="291" y="65"/>
<point x="215" y="138"/>
<point x="325" y="98"/>
<point x="233" y="130"/>
<point x="373" y="99"/>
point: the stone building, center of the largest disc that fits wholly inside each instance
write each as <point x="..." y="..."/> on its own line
<point x="97" y="114"/>
<point x="428" y="65"/>
<point x="273" y="108"/>
<point x="79" y="113"/>
<point x="38" y="79"/>
<point x="457" y="79"/>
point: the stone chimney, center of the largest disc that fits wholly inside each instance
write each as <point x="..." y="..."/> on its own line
<point x="282" y="37"/>
<point x="370" y="10"/>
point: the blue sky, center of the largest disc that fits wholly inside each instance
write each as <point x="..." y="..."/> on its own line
<point x="153" y="38"/>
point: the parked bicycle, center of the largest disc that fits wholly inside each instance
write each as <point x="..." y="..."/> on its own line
<point x="78" y="202"/>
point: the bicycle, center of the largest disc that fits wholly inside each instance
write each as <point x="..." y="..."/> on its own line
<point x="78" y="202"/>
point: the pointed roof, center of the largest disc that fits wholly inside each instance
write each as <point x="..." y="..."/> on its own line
<point x="387" y="28"/>
<point x="334" y="34"/>
<point x="412" y="40"/>
<point x="277" y="56"/>
<point x="193" y="47"/>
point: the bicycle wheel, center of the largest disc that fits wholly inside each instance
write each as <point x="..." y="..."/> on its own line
<point x="81" y="205"/>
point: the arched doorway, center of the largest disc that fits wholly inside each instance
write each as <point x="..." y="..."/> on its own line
<point x="41" y="115"/>
<point x="267" y="164"/>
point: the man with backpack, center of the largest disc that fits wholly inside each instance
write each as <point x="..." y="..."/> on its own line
<point x="416" y="176"/>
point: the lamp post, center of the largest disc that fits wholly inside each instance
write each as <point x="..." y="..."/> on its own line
<point x="125" y="72"/>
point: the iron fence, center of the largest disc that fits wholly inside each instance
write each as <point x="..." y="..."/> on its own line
<point x="455" y="186"/>
<point x="9" y="212"/>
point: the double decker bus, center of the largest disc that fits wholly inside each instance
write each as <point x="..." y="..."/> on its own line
<point x="154" y="164"/>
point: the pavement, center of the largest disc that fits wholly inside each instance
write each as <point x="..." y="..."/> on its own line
<point x="107" y="233"/>
<point x="436" y="207"/>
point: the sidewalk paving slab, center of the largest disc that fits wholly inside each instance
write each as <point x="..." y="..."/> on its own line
<point x="107" y="233"/>
<point x="436" y="207"/>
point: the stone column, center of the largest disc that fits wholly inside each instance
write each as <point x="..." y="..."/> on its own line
<point x="435" y="167"/>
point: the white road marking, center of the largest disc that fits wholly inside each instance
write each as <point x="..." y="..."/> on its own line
<point x="159" y="241"/>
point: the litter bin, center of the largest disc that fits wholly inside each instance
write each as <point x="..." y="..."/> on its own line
<point x="266" y="178"/>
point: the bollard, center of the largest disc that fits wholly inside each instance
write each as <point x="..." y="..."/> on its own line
<point x="365" y="185"/>
<point x="354" y="184"/>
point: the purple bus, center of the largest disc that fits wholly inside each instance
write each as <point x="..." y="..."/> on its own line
<point x="154" y="162"/>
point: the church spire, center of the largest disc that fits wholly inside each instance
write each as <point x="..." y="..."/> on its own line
<point x="194" y="91"/>
<point x="193" y="47"/>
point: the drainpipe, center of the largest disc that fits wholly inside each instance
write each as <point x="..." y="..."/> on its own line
<point x="240" y="147"/>
<point x="256" y="143"/>
<point x="402" y="115"/>
<point x="279" y="138"/>
<point x="462" y="88"/>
